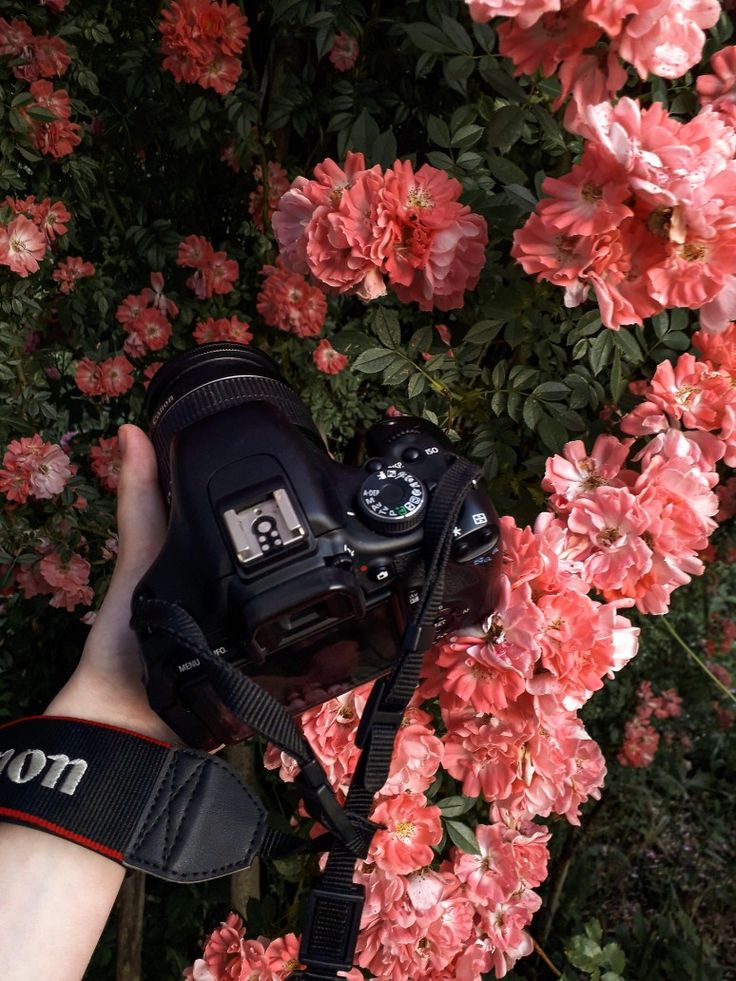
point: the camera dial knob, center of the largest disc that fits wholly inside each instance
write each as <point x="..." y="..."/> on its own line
<point x="392" y="501"/>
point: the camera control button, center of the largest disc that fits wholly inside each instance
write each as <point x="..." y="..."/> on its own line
<point x="411" y="454"/>
<point x="380" y="571"/>
<point x="374" y="465"/>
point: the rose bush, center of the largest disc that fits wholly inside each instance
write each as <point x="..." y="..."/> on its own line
<point x="393" y="231"/>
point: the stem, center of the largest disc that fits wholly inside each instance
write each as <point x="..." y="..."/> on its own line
<point x="256" y="83"/>
<point x="698" y="660"/>
<point x="538" y="950"/>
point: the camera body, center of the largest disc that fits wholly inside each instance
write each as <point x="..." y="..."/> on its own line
<point x="301" y="571"/>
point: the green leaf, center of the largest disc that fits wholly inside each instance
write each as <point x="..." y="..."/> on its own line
<point x="197" y="108"/>
<point x="427" y="37"/>
<point x="453" y="807"/>
<point x="438" y="131"/>
<point x="482" y="332"/>
<point x="387" y="327"/>
<point x="677" y="340"/>
<point x="501" y="81"/>
<point x="628" y="344"/>
<point x="461" y="836"/>
<point x="457" y="35"/>
<point x="416" y="385"/>
<point x="614" y="957"/>
<point x="505" y="127"/>
<point x="373" y="360"/>
<point x="600" y="351"/>
<point x="41" y="114"/>
<point x="505" y="171"/>
<point x="618" y="384"/>
<point x="594" y="930"/>
<point x="532" y="413"/>
<point x="384" y="149"/>
<point x="364" y="133"/>
<point x="551" y="391"/>
<point x="457" y="71"/>
<point x="552" y="433"/>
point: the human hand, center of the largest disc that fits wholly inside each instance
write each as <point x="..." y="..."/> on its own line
<point x="107" y="686"/>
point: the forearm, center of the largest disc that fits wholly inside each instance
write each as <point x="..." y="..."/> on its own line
<point x="57" y="893"/>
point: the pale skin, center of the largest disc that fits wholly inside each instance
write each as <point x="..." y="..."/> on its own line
<point x="55" y="896"/>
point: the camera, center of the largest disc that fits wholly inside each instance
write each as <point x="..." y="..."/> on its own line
<point x="301" y="571"/>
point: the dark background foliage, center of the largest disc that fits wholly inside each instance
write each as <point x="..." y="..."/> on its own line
<point x="651" y="861"/>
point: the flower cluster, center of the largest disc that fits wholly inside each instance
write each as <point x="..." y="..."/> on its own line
<point x="26" y="238"/>
<point x="34" y="468"/>
<point x="288" y="302"/>
<point x="213" y="271"/>
<point x="69" y="271"/>
<point x="145" y="317"/>
<point x="278" y="185"/>
<point x="355" y="228"/>
<point x="663" y="38"/>
<point x="57" y="137"/>
<point x="222" y="329"/>
<point x="201" y="39"/>
<point x="228" y="955"/>
<point x="111" y="377"/>
<point x="646" y="219"/>
<point x="641" y="739"/>
<point x="36" y="55"/>
<point x="65" y="580"/>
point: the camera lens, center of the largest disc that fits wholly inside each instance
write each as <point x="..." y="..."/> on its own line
<point x="207" y="379"/>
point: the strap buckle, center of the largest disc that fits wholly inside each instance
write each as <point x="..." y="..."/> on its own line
<point x="321" y="795"/>
<point x="331" y="926"/>
<point x="375" y="716"/>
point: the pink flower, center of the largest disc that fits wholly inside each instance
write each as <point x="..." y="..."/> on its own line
<point x="223" y="329"/>
<point x="526" y="12"/>
<point x="327" y="359"/>
<point x="666" y="38"/>
<point x="590" y="199"/>
<point x="69" y="580"/>
<point x="344" y="52"/>
<point x="641" y="741"/>
<point x="412" y="828"/>
<point x="214" y="272"/>
<point x="58" y="137"/>
<point x="106" y="461"/>
<point x="576" y="472"/>
<point x="719" y="90"/>
<point x="417" y="756"/>
<point x="200" y="41"/>
<point x="288" y="302"/>
<point x="281" y="957"/>
<point x="33" y="468"/>
<point x="22" y="246"/>
<point x="432" y="246"/>
<point x="69" y="271"/>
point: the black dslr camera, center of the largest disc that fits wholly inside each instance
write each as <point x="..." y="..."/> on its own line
<point x="300" y="571"/>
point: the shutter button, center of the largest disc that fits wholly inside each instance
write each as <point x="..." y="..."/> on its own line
<point x="411" y="454"/>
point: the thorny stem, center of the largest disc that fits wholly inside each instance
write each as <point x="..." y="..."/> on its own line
<point x="538" y="950"/>
<point x="698" y="660"/>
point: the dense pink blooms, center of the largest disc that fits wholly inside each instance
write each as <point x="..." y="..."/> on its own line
<point x="144" y="317"/>
<point x="111" y="377"/>
<point x="33" y="468"/>
<point x="69" y="271"/>
<point x="327" y="359"/>
<point x="214" y="272"/>
<point x="22" y="246"/>
<point x="69" y="580"/>
<point x="106" y="460"/>
<point x="353" y="229"/>
<point x="222" y="329"/>
<point x="641" y="739"/>
<point x="200" y="40"/>
<point x="646" y="220"/>
<point x="287" y="301"/>
<point x="527" y="12"/>
<point x="58" y="137"/>
<point x="51" y="217"/>
<point x="36" y="56"/>
<point x="344" y="52"/>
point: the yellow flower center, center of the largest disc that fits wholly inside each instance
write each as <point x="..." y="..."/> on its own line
<point x="418" y="198"/>
<point x="404" y="830"/>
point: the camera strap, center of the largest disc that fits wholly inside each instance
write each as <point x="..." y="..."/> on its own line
<point x="331" y="922"/>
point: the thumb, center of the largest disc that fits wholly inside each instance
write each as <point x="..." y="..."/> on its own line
<point x="141" y="513"/>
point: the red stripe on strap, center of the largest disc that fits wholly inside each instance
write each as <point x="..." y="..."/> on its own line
<point x="62" y="832"/>
<point x="87" y="722"/>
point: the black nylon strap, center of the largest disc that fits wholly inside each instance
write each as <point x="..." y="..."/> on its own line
<point x="179" y="814"/>
<point x="332" y="920"/>
<point x="254" y="706"/>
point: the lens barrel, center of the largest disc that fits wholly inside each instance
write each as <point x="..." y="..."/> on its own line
<point x="205" y="380"/>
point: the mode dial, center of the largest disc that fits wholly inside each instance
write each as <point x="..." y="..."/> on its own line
<point x="392" y="501"/>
